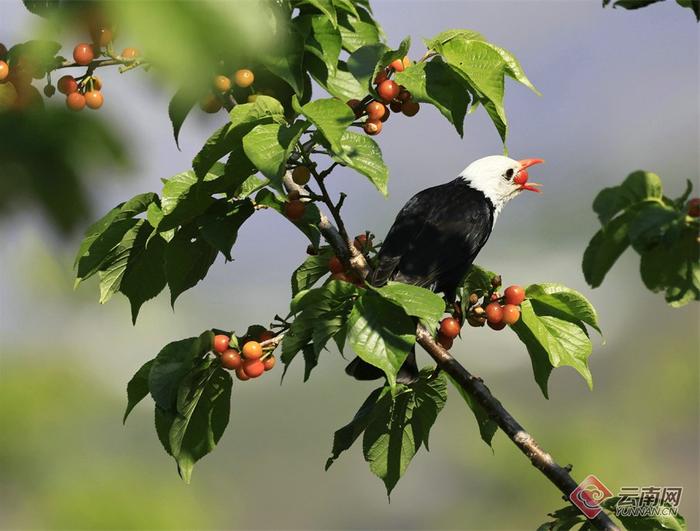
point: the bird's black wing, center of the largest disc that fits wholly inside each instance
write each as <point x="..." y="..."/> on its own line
<point x="436" y="237"/>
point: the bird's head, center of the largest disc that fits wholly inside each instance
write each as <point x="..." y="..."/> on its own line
<point x="500" y="178"/>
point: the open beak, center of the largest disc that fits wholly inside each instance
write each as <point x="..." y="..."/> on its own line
<point x="522" y="175"/>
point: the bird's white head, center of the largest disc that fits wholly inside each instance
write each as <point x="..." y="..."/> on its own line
<point x="500" y="178"/>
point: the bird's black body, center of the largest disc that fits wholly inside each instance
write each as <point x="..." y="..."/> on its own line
<point x="432" y="243"/>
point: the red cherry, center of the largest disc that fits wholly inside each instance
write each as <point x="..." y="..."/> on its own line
<point x="269" y="362"/>
<point x="253" y="368"/>
<point x="410" y="108"/>
<point x="67" y="85"/>
<point x="511" y="314"/>
<point x="694" y="207"/>
<point x="241" y="375"/>
<point x="94" y="99"/>
<point x="388" y="90"/>
<point x="83" y="53"/>
<point x="4" y="70"/>
<point x="372" y="127"/>
<point x="294" y="209"/>
<point x="75" y="101"/>
<point x="449" y="327"/>
<point x="375" y="110"/>
<point x="496" y="326"/>
<point x="380" y="77"/>
<point x="395" y="106"/>
<point x="445" y="342"/>
<point x="397" y="65"/>
<point x="494" y="313"/>
<point x="231" y="359"/>
<point x="514" y="295"/>
<point x="266" y="336"/>
<point x="252" y="351"/>
<point x="220" y="343"/>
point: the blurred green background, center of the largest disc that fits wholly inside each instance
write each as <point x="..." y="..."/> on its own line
<point x="620" y="93"/>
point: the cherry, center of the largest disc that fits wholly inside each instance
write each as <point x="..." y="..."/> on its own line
<point x="406" y="62"/>
<point x="380" y="77"/>
<point x="404" y="95"/>
<point x="83" y="54"/>
<point x="449" y="327"/>
<point x="694" y="207"/>
<point x="222" y="83"/>
<point x="210" y="104"/>
<point x="335" y="265"/>
<point x="494" y="313"/>
<point x="511" y="314"/>
<point x="101" y="36"/>
<point x="252" y="350"/>
<point x="231" y="359"/>
<point x="67" y="85"/>
<point x="294" y="194"/>
<point x="375" y="110"/>
<point x="395" y="106"/>
<point x="445" y="342"/>
<point x="386" y="115"/>
<point x="75" y="101"/>
<point x="253" y="368"/>
<point x="269" y="362"/>
<point x="372" y="127"/>
<point x="495" y="296"/>
<point x="397" y="65"/>
<point x="94" y="99"/>
<point x="294" y="209"/>
<point x="241" y="375"/>
<point x="4" y="70"/>
<point x="514" y="295"/>
<point x="410" y="108"/>
<point x="356" y="106"/>
<point x="130" y="53"/>
<point x="220" y="343"/>
<point x="496" y="326"/>
<point x="49" y="90"/>
<point x="301" y="175"/>
<point x="266" y="336"/>
<point x="388" y="90"/>
<point x="243" y="78"/>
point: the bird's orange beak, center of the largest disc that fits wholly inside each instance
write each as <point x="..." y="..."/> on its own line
<point x="522" y="176"/>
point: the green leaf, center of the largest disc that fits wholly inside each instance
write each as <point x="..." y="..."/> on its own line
<point x="436" y="83"/>
<point x="244" y="117"/>
<point x="363" y="62"/>
<point x="331" y="117"/>
<point x="314" y="268"/>
<point x="144" y="276"/>
<point x="362" y="154"/>
<point x="322" y="39"/>
<point x="399" y="425"/>
<point x="103" y="235"/>
<point x="186" y="263"/>
<point x="179" y="107"/>
<point x="604" y="249"/>
<point x="137" y="388"/>
<point x="219" y="226"/>
<point x="564" y="342"/>
<point x="564" y="301"/>
<point x="654" y="224"/>
<point x="356" y="33"/>
<point x="665" y="520"/>
<point x="324" y="6"/>
<point x="268" y="146"/>
<point x="440" y="39"/>
<point x="381" y="334"/>
<point x="487" y="426"/>
<point x="341" y="83"/>
<point x="172" y="364"/>
<point x="484" y="69"/>
<point x="514" y="69"/>
<point x="203" y="405"/>
<point x="674" y="269"/>
<point x="287" y="64"/>
<point x="638" y="186"/>
<point x="416" y="301"/>
<point x="345" y="437"/>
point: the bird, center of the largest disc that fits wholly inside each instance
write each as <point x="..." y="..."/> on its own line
<point x="439" y="232"/>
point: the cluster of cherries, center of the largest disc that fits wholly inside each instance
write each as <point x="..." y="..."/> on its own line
<point x="391" y="96"/>
<point x="250" y="362"/>
<point x="221" y="87"/>
<point x="499" y="312"/>
<point x="363" y="243"/>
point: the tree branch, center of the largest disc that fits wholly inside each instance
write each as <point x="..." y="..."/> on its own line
<point x="471" y="384"/>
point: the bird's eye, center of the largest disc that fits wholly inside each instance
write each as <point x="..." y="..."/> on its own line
<point x="509" y="173"/>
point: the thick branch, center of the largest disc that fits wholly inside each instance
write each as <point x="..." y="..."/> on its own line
<point x="476" y="388"/>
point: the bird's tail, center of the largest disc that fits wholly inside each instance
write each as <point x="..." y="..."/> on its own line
<point x="361" y="370"/>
